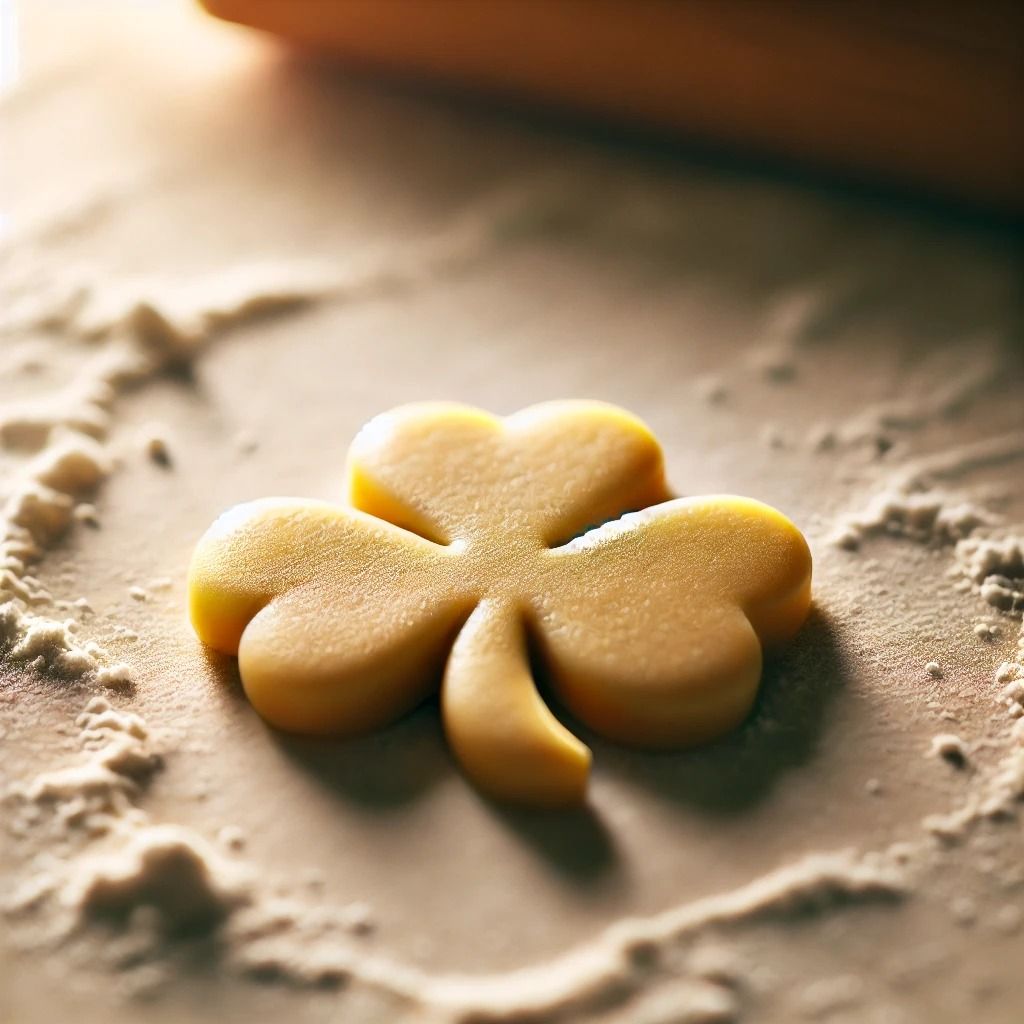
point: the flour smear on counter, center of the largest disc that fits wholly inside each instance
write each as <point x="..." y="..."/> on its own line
<point x="251" y="259"/>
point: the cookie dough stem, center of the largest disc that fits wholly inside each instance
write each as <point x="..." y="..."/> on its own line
<point x="507" y="741"/>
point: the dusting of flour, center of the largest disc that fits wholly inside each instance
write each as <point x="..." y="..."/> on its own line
<point x="150" y="879"/>
<point x="111" y="893"/>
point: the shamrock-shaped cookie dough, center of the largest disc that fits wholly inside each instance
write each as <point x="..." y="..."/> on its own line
<point x="471" y="553"/>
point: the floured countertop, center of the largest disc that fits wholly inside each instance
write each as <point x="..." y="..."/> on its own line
<point x="217" y="263"/>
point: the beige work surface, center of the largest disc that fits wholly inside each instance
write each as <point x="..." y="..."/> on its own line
<point x="312" y="251"/>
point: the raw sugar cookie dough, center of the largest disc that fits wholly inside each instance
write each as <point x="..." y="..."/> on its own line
<point x="252" y="259"/>
<point x="464" y="538"/>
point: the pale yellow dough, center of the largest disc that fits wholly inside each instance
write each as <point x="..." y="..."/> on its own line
<point x="474" y="541"/>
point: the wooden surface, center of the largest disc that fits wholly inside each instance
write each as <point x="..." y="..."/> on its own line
<point x="927" y="95"/>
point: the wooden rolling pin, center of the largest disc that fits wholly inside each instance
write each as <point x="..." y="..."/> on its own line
<point x="926" y="95"/>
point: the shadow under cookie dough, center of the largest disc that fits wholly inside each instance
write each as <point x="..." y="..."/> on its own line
<point x="783" y="731"/>
<point x="387" y="770"/>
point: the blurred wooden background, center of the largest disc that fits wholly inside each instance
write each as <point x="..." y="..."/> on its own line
<point x="925" y="95"/>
